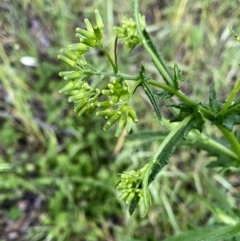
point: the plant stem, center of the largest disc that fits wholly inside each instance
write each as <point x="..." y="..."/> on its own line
<point x="206" y="112"/>
<point x="232" y="139"/>
<point x="115" y="69"/>
<point x="159" y="63"/>
<point x="173" y="91"/>
<point x="213" y="144"/>
<point x="118" y="75"/>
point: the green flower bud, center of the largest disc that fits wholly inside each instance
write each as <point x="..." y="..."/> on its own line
<point x="69" y="54"/>
<point x="114" y="99"/>
<point x="99" y="20"/>
<point x="107" y="92"/>
<point x="63" y="73"/>
<point x="88" y="25"/>
<point x="112" y="120"/>
<point x="116" y="85"/>
<point x="104" y="104"/>
<point x="123" y="196"/>
<point x="79" y="105"/>
<point x="124" y="109"/>
<point x="70" y="86"/>
<point x="89" y="42"/>
<point x="74" y="91"/>
<point x="111" y="86"/>
<point x="94" y="98"/>
<point x="120" y="126"/>
<point x="76" y="97"/>
<point x="128" y="124"/>
<point x="84" y="109"/>
<point x="78" y="47"/>
<point x="73" y="75"/>
<point x="123" y="98"/>
<point x="130" y="197"/>
<point x="132" y="114"/>
<point x="106" y="113"/>
<point x="86" y="86"/>
<point x="85" y="34"/>
<point x="68" y="61"/>
<point x="98" y="34"/>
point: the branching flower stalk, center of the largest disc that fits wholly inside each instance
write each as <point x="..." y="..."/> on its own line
<point x="109" y="94"/>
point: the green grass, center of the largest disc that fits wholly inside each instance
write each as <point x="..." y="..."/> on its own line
<point x="68" y="162"/>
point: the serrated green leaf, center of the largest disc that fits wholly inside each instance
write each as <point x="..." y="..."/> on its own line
<point x="133" y="204"/>
<point x="214" y="233"/>
<point x="173" y="139"/>
<point x="163" y="95"/>
<point x="185" y="110"/>
<point x="230" y="119"/>
<point x="152" y="97"/>
<point x="177" y="76"/>
<point x="213" y="103"/>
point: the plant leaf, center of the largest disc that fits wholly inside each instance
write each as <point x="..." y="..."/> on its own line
<point x="163" y="95"/>
<point x="213" y="103"/>
<point x="173" y="139"/>
<point x="185" y="110"/>
<point x="231" y="118"/>
<point x="151" y="95"/>
<point x="213" y="233"/>
<point x="133" y="204"/>
<point x="177" y="76"/>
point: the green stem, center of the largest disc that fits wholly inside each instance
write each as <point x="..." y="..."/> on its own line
<point x="232" y="139"/>
<point x="230" y="98"/>
<point x="135" y="86"/>
<point x="173" y="91"/>
<point x="118" y="75"/>
<point x="114" y="66"/>
<point x="206" y="112"/>
<point x="158" y="63"/>
<point x="214" y="144"/>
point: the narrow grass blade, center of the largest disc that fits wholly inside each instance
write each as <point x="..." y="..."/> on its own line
<point x="214" y="233"/>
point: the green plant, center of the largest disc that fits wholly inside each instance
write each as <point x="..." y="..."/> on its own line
<point x="110" y="94"/>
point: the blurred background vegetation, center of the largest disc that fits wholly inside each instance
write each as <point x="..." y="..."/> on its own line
<point x="58" y="171"/>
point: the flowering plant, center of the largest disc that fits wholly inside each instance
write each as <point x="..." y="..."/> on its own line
<point x="110" y="94"/>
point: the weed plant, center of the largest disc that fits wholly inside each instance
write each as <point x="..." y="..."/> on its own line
<point x="109" y="94"/>
<point x="66" y="168"/>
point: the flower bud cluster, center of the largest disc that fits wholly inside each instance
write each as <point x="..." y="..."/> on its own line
<point x="112" y="100"/>
<point x="130" y="185"/>
<point x="117" y="108"/>
<point x="89" y="37"/>
<point x="83" y="96"/>
<point x="128" y="32"/>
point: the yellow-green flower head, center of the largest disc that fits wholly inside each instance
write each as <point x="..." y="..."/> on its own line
<point x="128" y="32"/>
